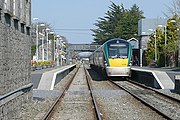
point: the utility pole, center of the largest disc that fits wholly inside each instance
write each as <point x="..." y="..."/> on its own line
<point x="178" y="47"/>
<point x="57" y="50"/>
<point x="155" y="45"/>
<point x="43" y="46"/>
<point x="47" y="51"/>
<point x="37" y="43"/>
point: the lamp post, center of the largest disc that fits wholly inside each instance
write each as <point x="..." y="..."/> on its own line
<point x="47" y="51"/>
<point x="155" y="45"/>
<point x="36" y="19"/>
<point x="53" y="47"/>
<point x="165" y="42"/>
<point x="37" y="38"/>
<point x="42" y="34"/>
<point x="57" y="50"/>
<point x="165" y="39"/>
<point x="61" y="43"/>
<point x="37" y="43"/>
<point x="43" y="46"/>
<point x="64" y="51"/>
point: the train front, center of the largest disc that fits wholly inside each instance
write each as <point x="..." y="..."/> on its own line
<point x="118" y="55"/>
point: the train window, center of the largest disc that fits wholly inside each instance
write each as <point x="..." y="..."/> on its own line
<point x="118" y="51"/>
<point x="123" y="52"/>
<point x="113" y="52"/>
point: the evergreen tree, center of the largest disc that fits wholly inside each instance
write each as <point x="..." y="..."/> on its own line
<point x="118" y="22"/>
<point x="171" y="48"/>
<point x="169" y="51"/>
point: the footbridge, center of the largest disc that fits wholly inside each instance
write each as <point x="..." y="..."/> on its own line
<point x="76" y="51"/>
<point x="82" y="47"/>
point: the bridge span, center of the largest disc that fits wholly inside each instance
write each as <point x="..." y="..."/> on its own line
<point x="76" y="51"/>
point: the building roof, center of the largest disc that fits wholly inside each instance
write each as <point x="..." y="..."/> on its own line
<point x="148" y="26"/>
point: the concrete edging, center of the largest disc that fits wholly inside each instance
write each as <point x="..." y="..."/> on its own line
<point x="161" y="78"/>
<point x="48" y="79"/>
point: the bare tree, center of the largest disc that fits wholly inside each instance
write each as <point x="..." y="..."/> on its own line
<point x="173" y="9"/>
<point x="174" y="12"/>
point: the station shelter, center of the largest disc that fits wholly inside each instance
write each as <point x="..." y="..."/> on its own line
<point x="135" y="51"/>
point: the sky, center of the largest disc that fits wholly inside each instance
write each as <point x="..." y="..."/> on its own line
<point x="73" y="19"/>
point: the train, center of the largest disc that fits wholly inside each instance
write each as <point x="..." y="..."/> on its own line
<point x="113" y="58"/>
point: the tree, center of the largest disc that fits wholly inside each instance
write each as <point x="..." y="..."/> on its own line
<point x="172" y="43"/>
<point x="174" y="11"/>
<point x="157" y="36"/>
<point x="171" y="48"/>
<point x="106" y="26"/>
<point x="150" y="50"/>
<point x="130" y="22"/>
<point x="118" y="22"/>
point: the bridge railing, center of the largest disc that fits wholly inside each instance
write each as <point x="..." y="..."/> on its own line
<point x="82" y="47"/>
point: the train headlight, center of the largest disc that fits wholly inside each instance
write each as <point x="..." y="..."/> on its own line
<point x="130" y="63"/>
<point x="105" y="63"/>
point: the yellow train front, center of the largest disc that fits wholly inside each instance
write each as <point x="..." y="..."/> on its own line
<point x="113" y="57"/>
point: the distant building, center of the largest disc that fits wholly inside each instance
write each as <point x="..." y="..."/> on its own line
<point x="135" y="50"/>
<point x="17" y="14"/>
<point x="134" y="43"/>
<point x="145" y="28"/>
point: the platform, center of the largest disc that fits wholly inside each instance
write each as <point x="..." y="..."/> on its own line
<point x="161" y="76"/>
<point x="48" y="79"/>
<point x="45" y="79"/>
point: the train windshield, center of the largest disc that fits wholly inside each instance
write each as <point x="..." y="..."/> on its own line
<point x="118" y="51"/>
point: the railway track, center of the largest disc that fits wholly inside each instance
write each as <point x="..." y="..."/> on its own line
<point x="165" y="105"/>
<point x="88" y="98"/>
<point x="54" y="106"/>
<point x="115" y="103"/>
<point x="76" y="101"/>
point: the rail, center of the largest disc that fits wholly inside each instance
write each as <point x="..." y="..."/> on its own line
<point x="56" y="103"/>
<point x="98" y="115"/>
<point x="149" y="98"/>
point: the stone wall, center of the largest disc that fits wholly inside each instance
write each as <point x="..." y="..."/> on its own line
<point x="12" y="109"/>
<point x="15" y="78"/>
<point x="15" y="61"/>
